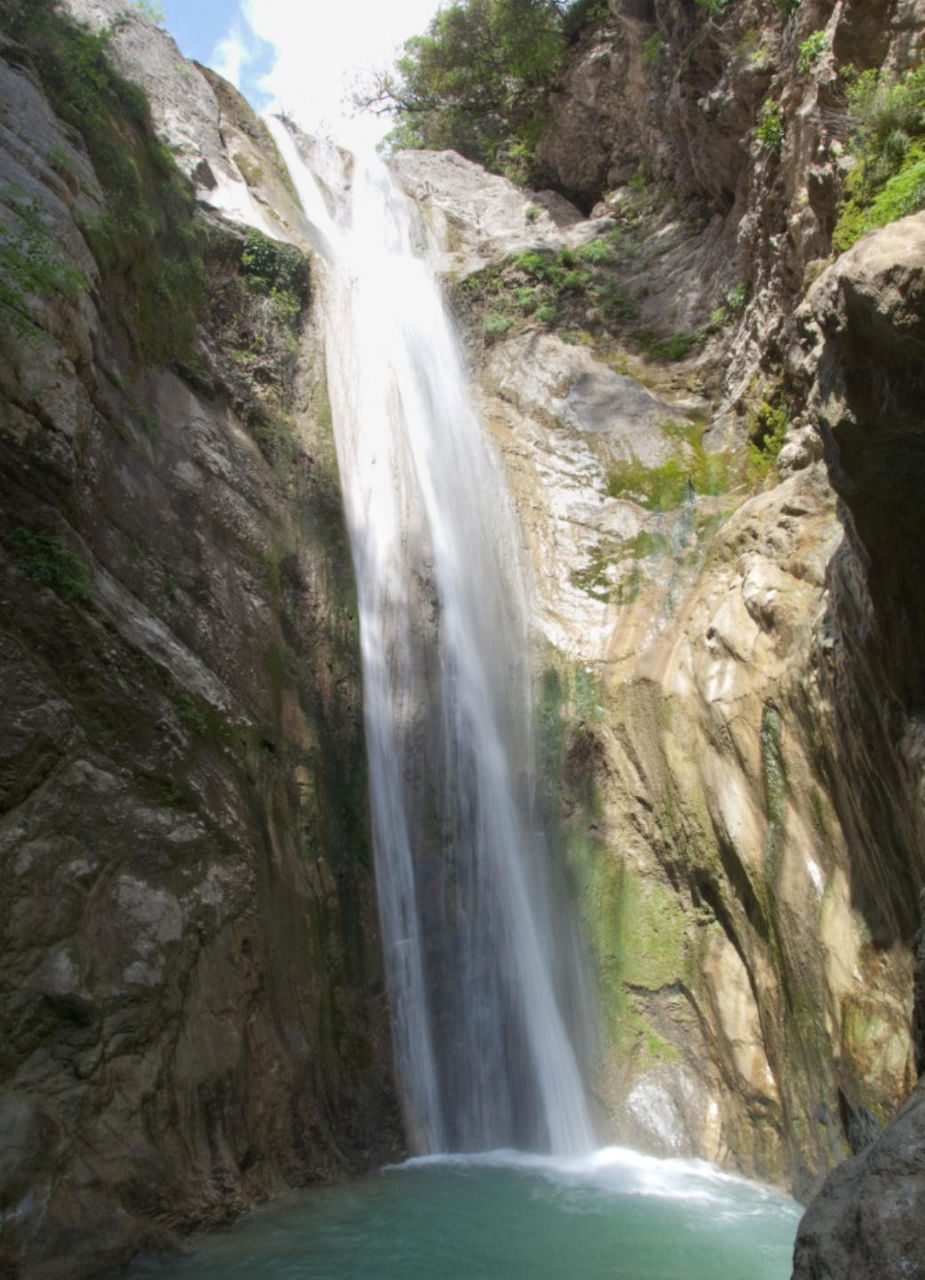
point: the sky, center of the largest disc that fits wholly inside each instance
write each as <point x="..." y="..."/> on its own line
<point x="299" y="56"/>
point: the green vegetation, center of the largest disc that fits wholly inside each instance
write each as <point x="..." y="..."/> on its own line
<point x="635" y="924"/>
<point x="273" y="268"/>
<point x="567" y="289"/>
<point x="664" y="488"/>
<point x="597" y="252"/>
<point x="888" y="140"/>
<point x="208" y="724"/>
<point x="151" y="10"/>
<point x="191" y="715"/>
<point x="478" y="80"/>
<point x="749" y="43"/>
<point x="614" y="570"/>
<point x="810" y="51"/>
<point x="652" y="49"/>
<point x="580" y="292"/>
<point x="715" y="8"/>
<point x="496" y="325"/>
<point x="733" y="306"/>
<point x="164" y="790"/>
<point x="770" y="128"/>
<point x="596" y="578"/>
<point x="580" y="15"/>
<point x="258" y="312"/>
<point x="661" y="488"/>
<point x="671" y="347"/>
<point x="278" y="272"/>
<point x="45" y="559"/>
<point x="148" y="242"/>
<point x="768" y="426"/>
<point x="31" y="264"/>
<point x="61" y="161"/>
<point x="736" y="299"/>
<point x="256" y="307"/>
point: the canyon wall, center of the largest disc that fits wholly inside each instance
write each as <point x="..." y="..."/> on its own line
<point x="729" y="678"/>
<point x="192" y="1007"/>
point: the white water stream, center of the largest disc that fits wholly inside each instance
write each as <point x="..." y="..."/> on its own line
<point x="480" y="955"/>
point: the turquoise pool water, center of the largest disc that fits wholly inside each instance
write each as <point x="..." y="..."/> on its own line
<point x="615" y="1215"/>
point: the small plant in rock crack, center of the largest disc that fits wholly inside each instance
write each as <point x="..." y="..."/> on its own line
<point x="810" y="51"/>
<point x="770" y="129"/>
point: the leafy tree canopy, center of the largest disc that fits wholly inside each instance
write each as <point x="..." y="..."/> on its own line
<point x="478" y="80"/>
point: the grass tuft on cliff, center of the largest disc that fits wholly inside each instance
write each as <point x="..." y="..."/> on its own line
<point x="148" y="241"/>
<point x="887" y="115"/>
<point x="568" y="290"/>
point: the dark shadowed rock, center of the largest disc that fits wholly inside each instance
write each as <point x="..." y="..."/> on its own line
<point x="866" y="1223"/>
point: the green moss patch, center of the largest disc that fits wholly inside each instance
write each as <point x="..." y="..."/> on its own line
<point x="691" y="472"/>
<point x="768" y="425"/>
<point x="615" y="570"/>
<point x="45" y="559"/>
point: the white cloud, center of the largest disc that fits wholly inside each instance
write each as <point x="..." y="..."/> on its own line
<point x="231" y="54"/>
<point x="321" y="50"/>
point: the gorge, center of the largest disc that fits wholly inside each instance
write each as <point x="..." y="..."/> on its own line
<point x="710" y="426"/>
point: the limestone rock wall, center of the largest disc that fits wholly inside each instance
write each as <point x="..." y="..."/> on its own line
<point x="859" y="333"/>
<point x="732" y="746"/>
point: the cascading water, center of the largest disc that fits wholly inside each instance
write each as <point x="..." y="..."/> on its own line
<point x="480" y="957"/>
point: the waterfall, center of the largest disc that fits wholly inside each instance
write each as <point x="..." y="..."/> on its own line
<point x="479" y="951"/>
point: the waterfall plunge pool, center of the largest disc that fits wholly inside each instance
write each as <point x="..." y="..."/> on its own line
<point x="615" y="1215"/>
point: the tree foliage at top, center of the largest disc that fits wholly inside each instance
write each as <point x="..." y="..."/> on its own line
<point x="478" y="80"/>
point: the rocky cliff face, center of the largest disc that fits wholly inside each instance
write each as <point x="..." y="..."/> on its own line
<point x="729" y="681"/>
<point x="741" y="109"/>
<point x="191" y="1002"/>
<point x="860" y="328"/>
